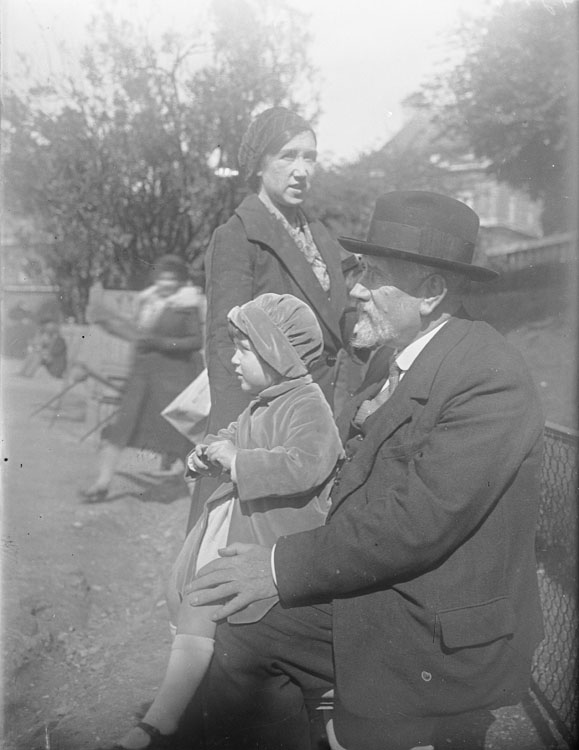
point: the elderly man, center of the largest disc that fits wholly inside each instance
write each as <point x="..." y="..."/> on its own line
<point x="418" y="599"/>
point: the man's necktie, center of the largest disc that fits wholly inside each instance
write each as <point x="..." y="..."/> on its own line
<point x="369" y="406"/>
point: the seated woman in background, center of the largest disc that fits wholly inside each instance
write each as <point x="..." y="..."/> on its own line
<point x="167" y="357"/>
<point x="47" y="348"/>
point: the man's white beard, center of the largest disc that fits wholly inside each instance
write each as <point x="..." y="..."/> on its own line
<point x="366" y="334"/>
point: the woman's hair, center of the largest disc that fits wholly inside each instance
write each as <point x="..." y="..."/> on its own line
<point x="171" y="264"/>
<point x="267" y="133"/>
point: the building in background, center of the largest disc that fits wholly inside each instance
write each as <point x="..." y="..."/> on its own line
<point x="426" y="158"/>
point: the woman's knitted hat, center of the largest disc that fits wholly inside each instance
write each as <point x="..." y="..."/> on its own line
<point x="263" y="131"/>
<point x="283" y="330"/>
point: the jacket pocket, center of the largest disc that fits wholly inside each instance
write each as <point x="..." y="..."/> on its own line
<point x="477" y="624"/>
<point x="405" y="450"/>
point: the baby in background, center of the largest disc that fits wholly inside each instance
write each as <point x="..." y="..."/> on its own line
<point x="277" y="460"/>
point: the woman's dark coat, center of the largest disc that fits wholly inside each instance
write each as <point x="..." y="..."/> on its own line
<point x="164" y="364"/>
<point x="249" y="255"/>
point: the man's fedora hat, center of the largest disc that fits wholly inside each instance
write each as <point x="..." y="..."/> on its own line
<point x="426" y="228"/>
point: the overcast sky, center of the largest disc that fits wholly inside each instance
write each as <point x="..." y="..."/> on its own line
<point x="370" y="53"/>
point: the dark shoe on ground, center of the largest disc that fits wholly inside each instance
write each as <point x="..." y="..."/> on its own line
<point x="93" y="496"/>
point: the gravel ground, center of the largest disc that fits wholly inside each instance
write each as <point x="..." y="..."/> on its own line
<point x="84" y="622"/>
<point x="86" y="635"/>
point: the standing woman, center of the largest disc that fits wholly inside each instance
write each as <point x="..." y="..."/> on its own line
<point x="268" y="245"/>
<point x="168" y="340"/>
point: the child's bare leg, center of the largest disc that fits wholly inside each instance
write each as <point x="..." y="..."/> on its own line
<point x="188" y="662"/>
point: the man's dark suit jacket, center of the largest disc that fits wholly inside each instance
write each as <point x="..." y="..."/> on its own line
<point x="428" y="553"/>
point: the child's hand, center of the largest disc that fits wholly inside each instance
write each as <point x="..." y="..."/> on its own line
<point x="222" y="452"/>
<point x="197" y="460"/>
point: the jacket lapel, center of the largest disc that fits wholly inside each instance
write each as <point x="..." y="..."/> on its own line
<point x="348" y="413"/>
<point x="330" y="252"/>
<point x="414" y="387"/>
<point x="261" y="227"/>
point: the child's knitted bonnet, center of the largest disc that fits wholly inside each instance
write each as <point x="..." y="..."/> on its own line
<point x="283" y="330"/>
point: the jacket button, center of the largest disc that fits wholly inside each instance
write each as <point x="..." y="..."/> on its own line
<point x="426" y="676"/>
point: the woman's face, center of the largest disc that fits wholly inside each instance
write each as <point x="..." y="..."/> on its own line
<point x="286" y="175"/>
<point x="167" y="283"/>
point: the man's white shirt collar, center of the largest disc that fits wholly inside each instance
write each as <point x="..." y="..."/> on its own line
<point x="410" y="352"/>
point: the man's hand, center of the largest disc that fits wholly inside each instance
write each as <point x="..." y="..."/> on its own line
<point x="242" y="575"/>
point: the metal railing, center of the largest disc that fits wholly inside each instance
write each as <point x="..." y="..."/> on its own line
<point x="557" y="248"/>
<point x="554" y="676"/>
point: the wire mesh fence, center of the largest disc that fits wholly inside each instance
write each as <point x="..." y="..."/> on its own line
<point x="554" y="677"/>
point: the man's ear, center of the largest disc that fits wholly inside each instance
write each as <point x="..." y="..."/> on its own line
<point x="434" y="290"/>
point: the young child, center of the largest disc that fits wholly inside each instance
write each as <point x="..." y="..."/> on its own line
<point x="277" y="461"/>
